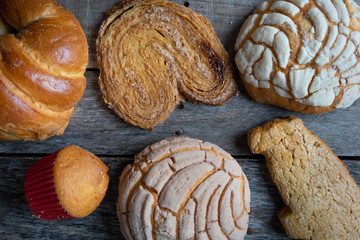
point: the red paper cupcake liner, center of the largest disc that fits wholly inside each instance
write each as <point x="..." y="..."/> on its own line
<point x="40" y="192"/>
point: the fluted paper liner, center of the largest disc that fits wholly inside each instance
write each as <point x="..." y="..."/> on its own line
<point x="40" y="193"/>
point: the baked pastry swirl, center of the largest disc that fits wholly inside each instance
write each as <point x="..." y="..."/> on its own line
<point x="42" y="68"/>
<point x="150" y="53"/>
<point x="183" y="188"/>
<point x="302" y="55"/>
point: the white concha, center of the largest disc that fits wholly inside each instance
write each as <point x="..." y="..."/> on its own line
<point x="302" y="55"/>
<point x="183" y="188"/>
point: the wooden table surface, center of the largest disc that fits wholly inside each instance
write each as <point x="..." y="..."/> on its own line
<point x="95" y="127"/>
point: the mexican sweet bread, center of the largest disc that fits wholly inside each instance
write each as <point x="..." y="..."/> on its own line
<point x="302" y="55"/>
<point x="322" y="200"/>
<point x="43" y="57"/>
<point x="151" y="54"/>
<point x="67" y="184"/>
<point x="183" y="188"/>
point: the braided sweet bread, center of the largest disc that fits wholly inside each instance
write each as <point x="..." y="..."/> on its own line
<point x="151" y="53"/>
<point x="42" y="68"/>
<point x="302" y="55"/>
<point x="183" y="188"/>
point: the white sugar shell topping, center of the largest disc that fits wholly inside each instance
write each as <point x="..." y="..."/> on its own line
<point x="286" y="7"/>
<point x="183" y="188"/>
<point x="305" y="50"/>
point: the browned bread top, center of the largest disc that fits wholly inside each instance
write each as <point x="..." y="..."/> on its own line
<point x="80" y="180"/>
<point x="42" y="68"/>
<point x="322" y="201"/>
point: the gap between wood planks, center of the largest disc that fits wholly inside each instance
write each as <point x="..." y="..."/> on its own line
<point x="131" y="157"/>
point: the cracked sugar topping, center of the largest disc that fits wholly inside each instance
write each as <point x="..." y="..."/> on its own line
<point x="183" y="188"/>
<point x="303" y="52"/>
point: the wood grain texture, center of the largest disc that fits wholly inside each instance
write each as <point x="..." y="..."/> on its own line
<point x="18" y="223"/>
<point x="96" y="128"/>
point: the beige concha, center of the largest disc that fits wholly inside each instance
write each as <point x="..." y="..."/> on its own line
<point x="302" y="55"/>
<point x="183" y="188"/>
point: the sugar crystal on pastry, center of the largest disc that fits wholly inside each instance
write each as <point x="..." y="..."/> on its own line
<point x="301" y="55"/>
<point x="153" y="54"/>
<point x="322" y="200"/>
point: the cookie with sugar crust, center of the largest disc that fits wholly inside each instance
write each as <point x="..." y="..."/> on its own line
<point x="302" y="55"/>
<point x="320" y="196"/>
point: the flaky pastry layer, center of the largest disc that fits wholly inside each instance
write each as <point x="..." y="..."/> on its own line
<point x="152" y="54"/>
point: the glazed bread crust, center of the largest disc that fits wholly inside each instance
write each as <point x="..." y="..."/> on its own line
<point x="42" y="68"/>
<point x="80" y="180"/>
<point x="152" y="54"/>
<point x="322" y="200"/>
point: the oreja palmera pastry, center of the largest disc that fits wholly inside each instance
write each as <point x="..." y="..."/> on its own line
<point x="322" y="200"/>
<point x="67" y="184"/>
<point x="152" y="53"/>
<point x="183" y="188"/>
<point x="42" y="68"/>
<point x="302" y="55"/>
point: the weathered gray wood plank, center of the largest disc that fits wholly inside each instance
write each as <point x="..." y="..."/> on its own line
<point x="95" y="127"/>
<point x="18" y="223"/>
<point x="99" y="130"/>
